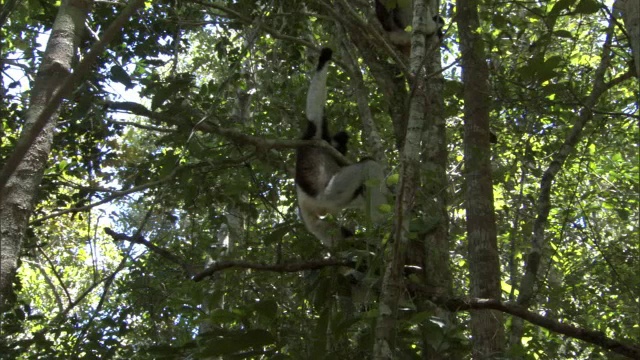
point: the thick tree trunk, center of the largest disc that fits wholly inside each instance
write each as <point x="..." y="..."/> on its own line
<point x="17" y="198"/>
<point x="486" y="326"/>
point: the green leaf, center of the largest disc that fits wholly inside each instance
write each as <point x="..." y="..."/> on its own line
<point x="588" y="7"/>
<point x="267" y="308"/>
<point x="561" y="5"/>
<point x="563" y="34"/>
<point x="118" y="74"/>
<point x="276" y="235"/>
<point x="393" y="179"/>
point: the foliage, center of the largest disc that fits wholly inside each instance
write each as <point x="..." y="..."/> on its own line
<point x="141" y="138"/>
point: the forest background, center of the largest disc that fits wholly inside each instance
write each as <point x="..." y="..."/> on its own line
<point x="147" y="204"/>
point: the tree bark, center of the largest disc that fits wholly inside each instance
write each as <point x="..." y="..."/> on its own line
<point x="630" y="11"/>
<point x="486" y="326"/>
<point x="17" y="200"/>
<point x="392" y="283"/>
<point x="434" y="241"/>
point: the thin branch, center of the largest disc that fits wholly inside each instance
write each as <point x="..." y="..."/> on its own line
<point x="138" y="109"/>
<point x="83" y="67"/>
<point x="360" y="93"/>
<point x="626" y="76"/>
<point x="189" y="268"/>
<point x="56" y="273"/>
<point x="49" y="282"/>
<point x="543" y="202"/>
<point x="64" y="314"/>
<point x="139" y="239"/>
<point x="115" y="195"/>
<point x="356" y="23"/>
<point x="280" y="268"/>
<point x="240" y="138"/>
<point x="141" y="126"/>
<point x="250" y="21"/>
<point x="265" y="144"/>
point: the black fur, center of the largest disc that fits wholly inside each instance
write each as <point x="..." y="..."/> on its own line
<point x="307" y="168"/>
<point x="346" y="233"/>
<point x="325" y="55"/>
<point x="389" y="18"/>
<point x="340" y="141"/>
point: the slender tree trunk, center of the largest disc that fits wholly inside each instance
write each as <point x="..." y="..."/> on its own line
<point x="392" y="283"/>
<point x="435" y="240"/>
<point x="486" y="326"/>
<point x="17" y="198"/>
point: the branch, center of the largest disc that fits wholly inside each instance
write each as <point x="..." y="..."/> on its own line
<point x="141" y="126"/>
<point x="234" y="135"/>
<point x="251" y="22"/>
<point x="357" y="24"/>
<point x="281" y="268"/>
<point x="543" y="202"/>
<point x="139" y="239"/>
<point x="223" y="265"/>
<point x="590" y="336"/>
<point x="626" y="76"/>
<point x="138" y="109"/>
<point x="121" y="193"/>
<point x="115" y="195"/>
<point x="265" y="144"/>
<point x="83" y="67"/>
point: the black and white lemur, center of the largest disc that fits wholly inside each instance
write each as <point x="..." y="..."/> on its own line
<point x="323" y="185"/>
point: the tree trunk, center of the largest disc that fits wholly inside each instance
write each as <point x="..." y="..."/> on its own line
<point x="18" y="196"/>
<point x="435" y="239"/>
<point x="486" y="326"/>
<point x="392" y="283"/>
<point x="630" y="11"/>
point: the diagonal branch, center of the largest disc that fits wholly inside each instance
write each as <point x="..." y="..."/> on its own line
<point x="115" y="195"/>
<point x="593" y="337"/>
<point x="543" y="202"/>
<point x="139" y="239"/>
<point x="557" y="162"/>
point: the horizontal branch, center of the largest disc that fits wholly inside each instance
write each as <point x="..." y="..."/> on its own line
<point x="451" y="304"/>
<point x="115" y="195"/>
<point x="251" y="21"/>
<point x="190" y="269"/>
<point x="281" y="268"/>
<point x="141" y="126"/>
<point x="261" y="143"/>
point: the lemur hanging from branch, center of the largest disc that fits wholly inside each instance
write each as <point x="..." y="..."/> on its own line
<point x="323" y="185"/>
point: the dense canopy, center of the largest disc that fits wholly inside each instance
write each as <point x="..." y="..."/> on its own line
<point x="148" y="208"/>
